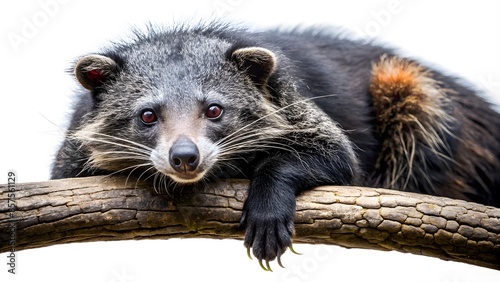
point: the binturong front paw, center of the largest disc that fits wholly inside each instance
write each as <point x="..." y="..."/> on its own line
<point x="268" y="235"/>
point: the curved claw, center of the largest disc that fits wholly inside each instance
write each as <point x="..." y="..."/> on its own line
<point x="293" y="251"/>
<point x="268" y="267"/>
<point x="278" y="259"/>
<point x="279" y="262"/>
<point x="249" y="254"/>
<point x="263" y="267"/>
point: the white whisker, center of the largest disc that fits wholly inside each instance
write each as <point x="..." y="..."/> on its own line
<point x="271" y="114"/>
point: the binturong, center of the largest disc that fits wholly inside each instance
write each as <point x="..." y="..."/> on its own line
<point x="288" y="110"/>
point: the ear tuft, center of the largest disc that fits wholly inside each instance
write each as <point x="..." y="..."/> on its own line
<point x="93" y="70"/>
<point x="259" y="63"/>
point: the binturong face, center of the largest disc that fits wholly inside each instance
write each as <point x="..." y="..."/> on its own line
<point x="182" y="111"/>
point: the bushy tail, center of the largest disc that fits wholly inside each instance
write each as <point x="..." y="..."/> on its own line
<point x="429" y="135"/>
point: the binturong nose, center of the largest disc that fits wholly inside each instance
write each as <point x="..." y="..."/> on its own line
<point x="184" y="155"/>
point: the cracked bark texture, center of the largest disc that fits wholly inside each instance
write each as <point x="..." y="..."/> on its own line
<point x="111" y="208"/>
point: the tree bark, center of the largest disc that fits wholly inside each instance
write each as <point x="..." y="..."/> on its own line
<point x="112" y="208"/>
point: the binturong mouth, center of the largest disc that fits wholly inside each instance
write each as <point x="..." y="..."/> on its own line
<point x="186" y="177"/>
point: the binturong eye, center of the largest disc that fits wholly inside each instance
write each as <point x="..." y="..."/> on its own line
<point x="214" y="111"/>
<point x="148" y="117"/>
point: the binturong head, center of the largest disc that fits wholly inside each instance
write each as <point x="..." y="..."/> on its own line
<point x="177" y="107"/>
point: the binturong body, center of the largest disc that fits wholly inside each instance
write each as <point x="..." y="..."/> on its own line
<point x="289" y="110"/>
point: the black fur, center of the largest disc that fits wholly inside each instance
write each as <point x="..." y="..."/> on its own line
<point x="178" y="73"/>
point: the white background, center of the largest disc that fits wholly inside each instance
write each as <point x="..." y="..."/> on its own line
<point x="40" y="39"/>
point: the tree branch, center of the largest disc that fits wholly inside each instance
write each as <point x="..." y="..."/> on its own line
<point x="107" y="208"/>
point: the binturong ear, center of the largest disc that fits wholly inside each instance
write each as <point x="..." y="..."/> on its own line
<point x="93" y="70"/>
<point x="259" y="63"/>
